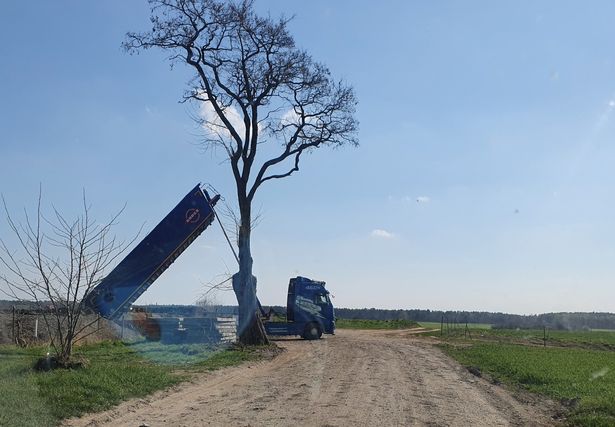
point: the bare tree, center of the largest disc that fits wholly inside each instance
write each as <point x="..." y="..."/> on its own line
<point x="56" y="264"/>
<point x="253" y="87"/>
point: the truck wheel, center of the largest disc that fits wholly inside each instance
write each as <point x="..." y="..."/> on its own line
<point x="312" y="332"/>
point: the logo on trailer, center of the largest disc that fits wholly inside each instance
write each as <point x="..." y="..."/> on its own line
<point x="192" y="215"/>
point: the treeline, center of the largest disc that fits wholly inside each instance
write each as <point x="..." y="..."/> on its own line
<point x="563" y="321"/>
<point x="199" y="310"/>
<point x="568" y="321"/>
<point x="6" y="305"/>
<point x="188" y="310"/>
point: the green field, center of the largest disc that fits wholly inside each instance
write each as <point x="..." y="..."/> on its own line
<point x="575" y="368"/>
<point x="585" y="339"/>
<point x="374" y="324"/>
<point x="596" y="339"/>
<point x="114" y="373"/>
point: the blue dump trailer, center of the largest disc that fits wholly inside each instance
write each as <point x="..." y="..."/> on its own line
<point x="309" y="310"/>
<point x="114" y="295"/>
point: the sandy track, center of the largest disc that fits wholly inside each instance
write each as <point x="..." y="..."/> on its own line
<point x="356" y="378"/>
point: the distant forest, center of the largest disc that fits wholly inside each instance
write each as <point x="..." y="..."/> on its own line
<point x="567" y="321"/>
<point x="563" y="321"/>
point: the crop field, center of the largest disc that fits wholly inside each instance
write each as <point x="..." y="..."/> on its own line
<point x="574" y="368"/>
<point x="595" y="338"/>
<point x="114" y="372"/>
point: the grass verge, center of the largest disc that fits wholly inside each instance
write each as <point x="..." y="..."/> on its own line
<point x="115" y="373"/>
<point x="374" y="324"/>
<point x="582" y="379"/>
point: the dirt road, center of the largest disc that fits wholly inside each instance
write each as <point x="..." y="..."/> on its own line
<point x="355" y="378"/>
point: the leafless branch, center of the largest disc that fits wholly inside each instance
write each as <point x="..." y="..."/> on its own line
<point x="249" y="72"/>
<point x="56" y="264"/>
<point x="253" y="87"/>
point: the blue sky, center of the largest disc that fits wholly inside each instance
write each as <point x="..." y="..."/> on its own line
<point x="497" y="118"/>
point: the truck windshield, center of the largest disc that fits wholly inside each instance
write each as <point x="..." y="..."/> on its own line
<point x="322" y="299"/>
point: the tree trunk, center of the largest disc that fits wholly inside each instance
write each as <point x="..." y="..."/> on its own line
<point x="250" y="329"/>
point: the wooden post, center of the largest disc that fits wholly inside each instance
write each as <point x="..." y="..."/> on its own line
<point x="36" y="327"/>
<point x="13" y="326"/>
<point x="123" y="320"/>
<point x="544" y="336"/>
<point x="441" y="325"/>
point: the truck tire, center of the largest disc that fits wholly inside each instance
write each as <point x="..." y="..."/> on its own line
<point x="312" y="331"/>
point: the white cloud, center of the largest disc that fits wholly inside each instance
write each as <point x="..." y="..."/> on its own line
<point x="423" y="199"/>
<point x="290" y="118"/>
<point x="379" y="233"/>
<point x="214" y="126"/>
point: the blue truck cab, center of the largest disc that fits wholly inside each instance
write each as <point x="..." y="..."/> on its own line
<point x="309" y="311"/>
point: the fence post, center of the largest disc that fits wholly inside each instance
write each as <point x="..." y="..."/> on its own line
<point x="441" y="325"/>
<point x="36" y="327"/>
<point x="13" y="326"/>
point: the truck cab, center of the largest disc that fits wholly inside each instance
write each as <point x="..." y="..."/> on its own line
<point x="309" y="311"/>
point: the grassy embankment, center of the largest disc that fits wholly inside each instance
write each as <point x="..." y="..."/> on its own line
<point x="374" y="324"/>
<point x="115" y="372"/>
<point x="575" y="368"/>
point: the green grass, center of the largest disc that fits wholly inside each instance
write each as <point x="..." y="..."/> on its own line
<point x="20" y="403"/>
<point x="594" y="339"/>
<point x="374" y="324"/>
<point x="223" y="359"/>
<point x="115" y="372"/>
<point x="570" y="368"/>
